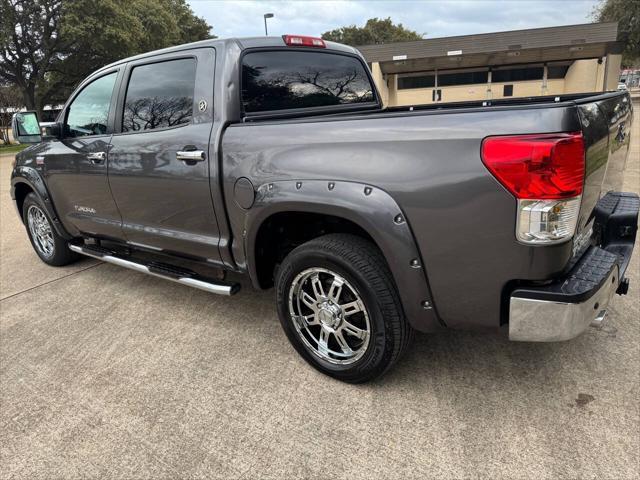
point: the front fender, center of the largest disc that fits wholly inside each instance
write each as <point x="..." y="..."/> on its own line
<point x="29" y="176"/>
<point x="373" y="210"/>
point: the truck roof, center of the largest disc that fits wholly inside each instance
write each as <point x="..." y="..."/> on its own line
<point x="242" y="42"/>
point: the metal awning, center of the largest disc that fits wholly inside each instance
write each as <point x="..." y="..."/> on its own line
<point x="570" y="42"/>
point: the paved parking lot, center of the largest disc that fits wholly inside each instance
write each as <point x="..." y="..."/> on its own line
<point x="107" y="373"/>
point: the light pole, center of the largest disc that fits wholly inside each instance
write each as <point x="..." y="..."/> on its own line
<point x="267" y="15"/>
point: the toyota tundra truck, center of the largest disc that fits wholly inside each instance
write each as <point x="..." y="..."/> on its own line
<point x="274" y="158"/>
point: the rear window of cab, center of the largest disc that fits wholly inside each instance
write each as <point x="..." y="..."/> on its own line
<point x="283" y="80"/>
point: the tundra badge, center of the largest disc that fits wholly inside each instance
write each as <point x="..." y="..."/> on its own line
<point x="81" y="209"/>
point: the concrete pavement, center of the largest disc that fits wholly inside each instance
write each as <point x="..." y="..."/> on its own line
<point x="106" y="373"/>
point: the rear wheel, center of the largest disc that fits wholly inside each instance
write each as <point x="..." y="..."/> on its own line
<point x="339" y="307"/>
<point x="50" y="247"/>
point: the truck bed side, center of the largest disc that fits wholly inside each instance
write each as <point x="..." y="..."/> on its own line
<point x="463" y="220"/>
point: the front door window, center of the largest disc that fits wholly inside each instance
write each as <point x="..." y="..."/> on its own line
<point x="89" y="111"/>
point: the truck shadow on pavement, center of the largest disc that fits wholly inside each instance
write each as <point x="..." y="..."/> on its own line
<point x="492" y="366"/>
<point x="487" y="359"/>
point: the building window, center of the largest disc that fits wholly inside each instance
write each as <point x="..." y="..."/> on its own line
<point x="421" y="81"/>
<point x="555" y="72"/>
<point x="507" y="91"/>
<point x="444" y="79"/>
<point x="517" y="74"/>
<point x="463" y="78"/>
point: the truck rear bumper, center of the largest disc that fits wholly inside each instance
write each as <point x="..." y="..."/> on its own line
<point x="533" y="320"/>
<point x="565" y="308"/>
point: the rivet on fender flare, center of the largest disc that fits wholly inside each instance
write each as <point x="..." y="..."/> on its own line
<point x="331" y="185"/>
<point x="367" y="190"/>
<point x="399" y="219"/>
<point x="426" y="305"/>
<point x="415" y="263"/>
<point x="298" y="185"/>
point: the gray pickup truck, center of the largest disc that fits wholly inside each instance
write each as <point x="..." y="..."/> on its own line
<point x="275" y="158"/>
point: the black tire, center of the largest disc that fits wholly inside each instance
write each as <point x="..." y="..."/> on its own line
<point x="60" y="254"/>
<point x="365" y="270"/>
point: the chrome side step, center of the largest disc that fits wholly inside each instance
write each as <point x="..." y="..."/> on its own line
<point x="167" y="273"/>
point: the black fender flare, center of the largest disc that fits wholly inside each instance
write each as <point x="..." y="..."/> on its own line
<point x="30" y="177"/>
<point x="372" y="209"/>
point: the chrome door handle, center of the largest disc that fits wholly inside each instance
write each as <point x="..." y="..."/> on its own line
<point x="191" y="156"/>
<point x="97" y="157"/>
<point x="621" y="135"/>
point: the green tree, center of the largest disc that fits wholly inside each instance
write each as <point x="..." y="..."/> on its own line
<point x="30" y="44"/>
<point x="627" y="14"/>
<point x="10" y="101"/>
<point x="48" y="46"/>
<point x="374" y="31"/>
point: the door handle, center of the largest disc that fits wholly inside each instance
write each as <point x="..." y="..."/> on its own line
<point x="621" y="135"/>
<point x="191" y="157"/>
<point x="97" y="157"/>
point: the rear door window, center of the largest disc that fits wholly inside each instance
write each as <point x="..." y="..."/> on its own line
<point x="282" y="80"/>
<point x="160" y="95"/>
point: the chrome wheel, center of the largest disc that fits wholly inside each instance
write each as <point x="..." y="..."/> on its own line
<point x="40" y="231"/>
<point x="329" y="315"/>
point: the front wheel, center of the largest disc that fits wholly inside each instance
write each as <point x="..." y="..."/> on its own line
<point x="50" y="247"/>
<point x="339" y="307"/>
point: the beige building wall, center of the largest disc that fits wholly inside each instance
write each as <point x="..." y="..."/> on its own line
<point x="414" y="96"/>
<point x="463" y="93"/>
<point x="392" y="85"/>
<point x="529" y="88"/>
<point x="477" y="91"/>
<point x="612" y="64"/>
<point x="589" y="75"/>
<point x="555" y="86"/>
<point x="378" y="78"/>
<point x="600" y="76"/>
<point x="583" y="76"/>
<point x="458" y="93"/>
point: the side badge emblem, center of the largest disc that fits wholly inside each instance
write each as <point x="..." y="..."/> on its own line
<point x="202" y="105"/>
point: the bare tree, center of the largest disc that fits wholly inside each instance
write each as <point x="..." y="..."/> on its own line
<point x="154" y="112"/>
<point x="339" y="87"/>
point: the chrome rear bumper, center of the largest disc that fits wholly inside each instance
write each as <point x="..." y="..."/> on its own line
<point x="564" y="308"/>
<point x="533" y="320"/>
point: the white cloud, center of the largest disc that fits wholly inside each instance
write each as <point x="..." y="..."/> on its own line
<point x="436" y="18"/>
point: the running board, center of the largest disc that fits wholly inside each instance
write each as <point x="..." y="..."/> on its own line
<point x="158" y="270"/>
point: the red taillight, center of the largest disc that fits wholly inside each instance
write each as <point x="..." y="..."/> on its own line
<point x="544" y="166"/>
<point x="303" y="41"/>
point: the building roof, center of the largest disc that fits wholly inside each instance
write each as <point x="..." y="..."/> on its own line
<point x="572" y="41"/>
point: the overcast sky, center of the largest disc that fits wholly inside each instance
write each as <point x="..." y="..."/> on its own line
<point x="435" y="17"/>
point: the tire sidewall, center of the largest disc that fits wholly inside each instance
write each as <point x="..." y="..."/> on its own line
<point x="60" y="256"/>
<point x="376" y="356"/>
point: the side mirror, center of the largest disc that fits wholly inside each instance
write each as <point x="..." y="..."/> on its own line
<point x="25" y="127"/>
<point x="50" y="130"/>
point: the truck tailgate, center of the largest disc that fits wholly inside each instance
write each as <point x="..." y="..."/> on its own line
<point x="606" y="124"/>
<point x="603" y="244"/>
